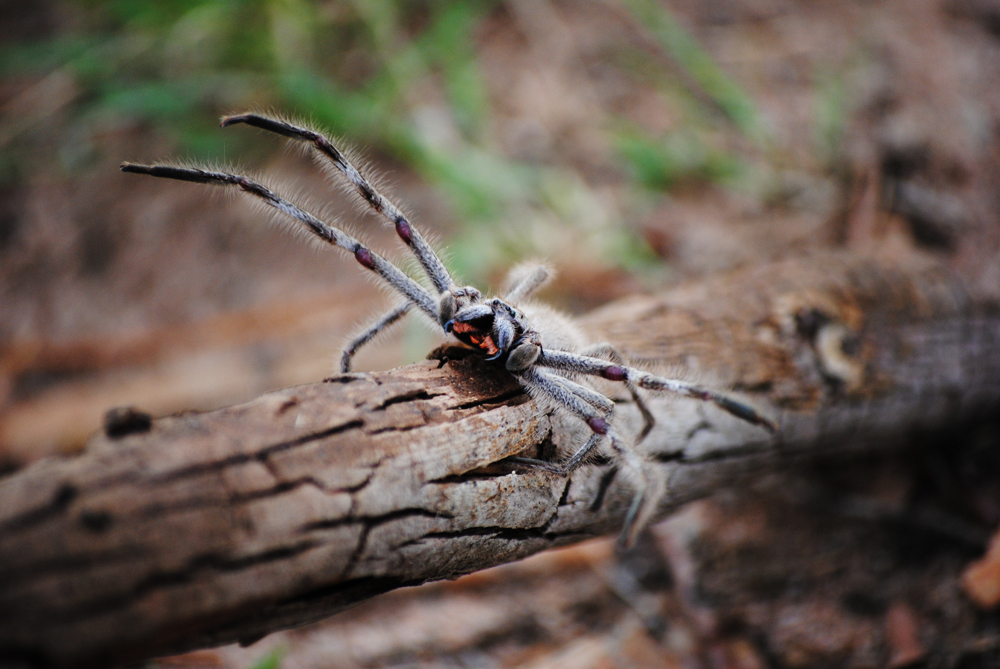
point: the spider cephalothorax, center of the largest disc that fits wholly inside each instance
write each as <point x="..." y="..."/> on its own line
<point x="542" y="348"/>
<point x="494" y="327"/>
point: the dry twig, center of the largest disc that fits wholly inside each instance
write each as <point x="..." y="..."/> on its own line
<point x="204" y="529"/>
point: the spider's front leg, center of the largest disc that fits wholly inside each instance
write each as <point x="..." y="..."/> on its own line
<point x="595" y="409"/>
<point x="450" y="298"/>
<point x="370" y="333"/>
<point x="581" y="364"/>
<point x="329" y="155"/>
<point x="649" y="484"/>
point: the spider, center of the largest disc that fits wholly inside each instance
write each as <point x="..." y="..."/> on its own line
<point x="542" y="348"/>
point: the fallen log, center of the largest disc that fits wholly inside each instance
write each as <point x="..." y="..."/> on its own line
<point x="202" y="529"/>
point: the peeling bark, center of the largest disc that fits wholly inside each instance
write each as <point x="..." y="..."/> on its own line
<point x="203" y="529"/>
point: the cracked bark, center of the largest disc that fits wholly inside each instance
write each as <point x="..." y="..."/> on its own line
<point x="204" y="529"/>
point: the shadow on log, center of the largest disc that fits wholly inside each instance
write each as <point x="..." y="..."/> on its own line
<point x="203" y="529"/>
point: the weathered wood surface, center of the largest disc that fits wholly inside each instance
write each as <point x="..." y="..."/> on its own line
<point x="223" y="526"/>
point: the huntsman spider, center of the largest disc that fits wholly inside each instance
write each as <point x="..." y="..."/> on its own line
<point x="542" y="348"/>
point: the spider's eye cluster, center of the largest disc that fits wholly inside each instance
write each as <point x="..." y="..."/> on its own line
<point x="482" y="323"/>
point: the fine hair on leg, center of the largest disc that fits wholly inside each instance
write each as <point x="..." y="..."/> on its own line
<point x="566" y="467"/>
<point x="369" y="333"/>
<point x="525" y="279"/>
<point x="578" y="399"/>
<point x="649" y="484"/>
<point x="391" y="274"/>
<point x="566" y="396"/>
<point x="581" y="364"/>
<point x="608" y="351"/>
<point x="433" y="267"/>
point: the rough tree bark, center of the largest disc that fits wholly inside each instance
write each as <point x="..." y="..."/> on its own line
<point x="203" y="529"/>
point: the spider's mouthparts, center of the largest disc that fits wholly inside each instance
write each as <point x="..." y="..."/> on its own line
<point x="449" y="326"/>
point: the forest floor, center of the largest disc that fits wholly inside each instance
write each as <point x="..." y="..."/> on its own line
<point x="878" y="133"/>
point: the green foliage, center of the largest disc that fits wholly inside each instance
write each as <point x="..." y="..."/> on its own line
<point x="667" y="161"/>
<point x="361" y="68"/>
<point x="448" y="43"/>
<point x="699" y="66"/>
<point x="830" y="114"/>
<point x="271" y="660"/>
<point x="34" y="58"/>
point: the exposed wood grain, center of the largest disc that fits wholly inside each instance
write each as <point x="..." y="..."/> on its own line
<point x="223" y="526"/>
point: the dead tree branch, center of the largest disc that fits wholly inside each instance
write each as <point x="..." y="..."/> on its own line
<point x="203" y="529"/>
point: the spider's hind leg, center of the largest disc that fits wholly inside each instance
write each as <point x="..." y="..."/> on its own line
<point x="606" y="350"/>
<point x="564" y="468"/>
<point x="650" y="485"/>
<point x="589" y="405"/>
<point x="649" y="482"/>
<point x="524" y="280"/>
<point x="370" y="333"/>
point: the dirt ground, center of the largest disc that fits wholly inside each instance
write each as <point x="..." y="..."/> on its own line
<point x="877" y="132"/>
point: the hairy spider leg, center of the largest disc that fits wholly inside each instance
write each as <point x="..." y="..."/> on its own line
<point x="562" y="468"/>
<point x="602" y="403"/>
<point x="369" y="333"/>
<point x="580" y="401"/>
<point x="552" y="383"/>
<point x="391" y="274"/>
<point x="581" y="364"/>
<point x="608" y="351"/>
<point x="521" y="287"/>
<point x="649" y="484"/>
<point x="431" y="263"/>
<point x="650" y="487"/>
<point x="565" y="393"/>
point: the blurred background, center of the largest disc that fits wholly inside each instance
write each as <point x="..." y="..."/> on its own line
<point x="632" y="143"/>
